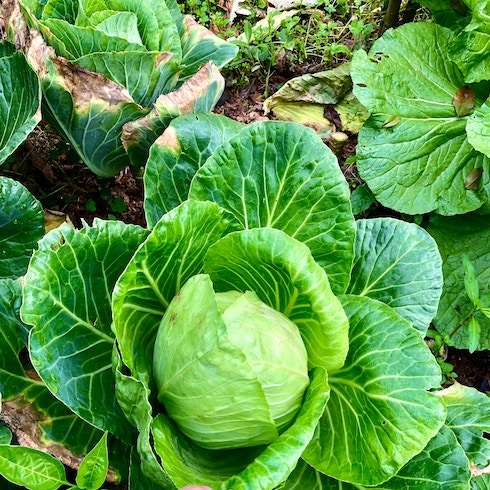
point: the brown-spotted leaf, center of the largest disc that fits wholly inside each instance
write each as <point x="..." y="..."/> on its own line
<point x="471" y="181"/>
<point x="464" y="101"/>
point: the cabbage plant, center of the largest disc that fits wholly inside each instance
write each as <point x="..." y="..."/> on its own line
<point x="425" y="147"/>
<point x="255" y="335"/>
<point x="114" y="73"/>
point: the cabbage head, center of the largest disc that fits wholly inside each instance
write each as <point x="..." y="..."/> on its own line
<point x="230" y="370"/>
<point x="114" y="73"/>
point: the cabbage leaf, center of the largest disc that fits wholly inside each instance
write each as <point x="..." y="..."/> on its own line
<point x="414" y="152"/>
<point x="20" y="99"/>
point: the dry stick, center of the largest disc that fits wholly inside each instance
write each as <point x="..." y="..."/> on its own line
<point x="391" y="16"/>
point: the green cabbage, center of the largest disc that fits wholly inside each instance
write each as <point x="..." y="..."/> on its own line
<point x="114" y="73"/>
<point x="215" y="355"/>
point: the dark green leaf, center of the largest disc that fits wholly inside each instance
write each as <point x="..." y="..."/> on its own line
<point x="458" y="236"/>
<point x="21" y="226"/>
<point x="20" y="100"/>
<point x="361" y="199"/>
<point x="5" y="435"/>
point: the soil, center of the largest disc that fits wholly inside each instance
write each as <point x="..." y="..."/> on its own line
<point x="471" y="369"/>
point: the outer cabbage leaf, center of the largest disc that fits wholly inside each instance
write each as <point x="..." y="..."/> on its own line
<point x="67" y="298"/>
<point x="26" y="398"/>
<point x="399" y="264"/>
<point x="284" y="275"/>
<point x="145" y="74"/>
<point x="380" y="413"/>
<point x="176" y="156"/>
<point x="470" y="49"/>
<point x="469" y="418"/>
<point x="21" y="226"/>
<point x="200" y="46"/>
<point x="478" y="128"/>
<point x="199" y="93"/>
<point x="458" y="236"/>
<point x="87" y="108"/>
<point x="13" y="338"/>
<point x="413" y="152"/>
<point x="442" y="465"/>
<point x="172" y="253"/>
<point x="281" y="175"/>
<point x="20" y="99"/>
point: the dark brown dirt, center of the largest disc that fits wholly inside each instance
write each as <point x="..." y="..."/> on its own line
<point x="472" y="369"/>
<point x="53" y="173"/>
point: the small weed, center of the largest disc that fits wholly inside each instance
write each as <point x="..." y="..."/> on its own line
<point x="118" y="205"/>
<point x="439" y="344"/>
<point x="90" y="206"/>
<point x="292" y="42"/>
